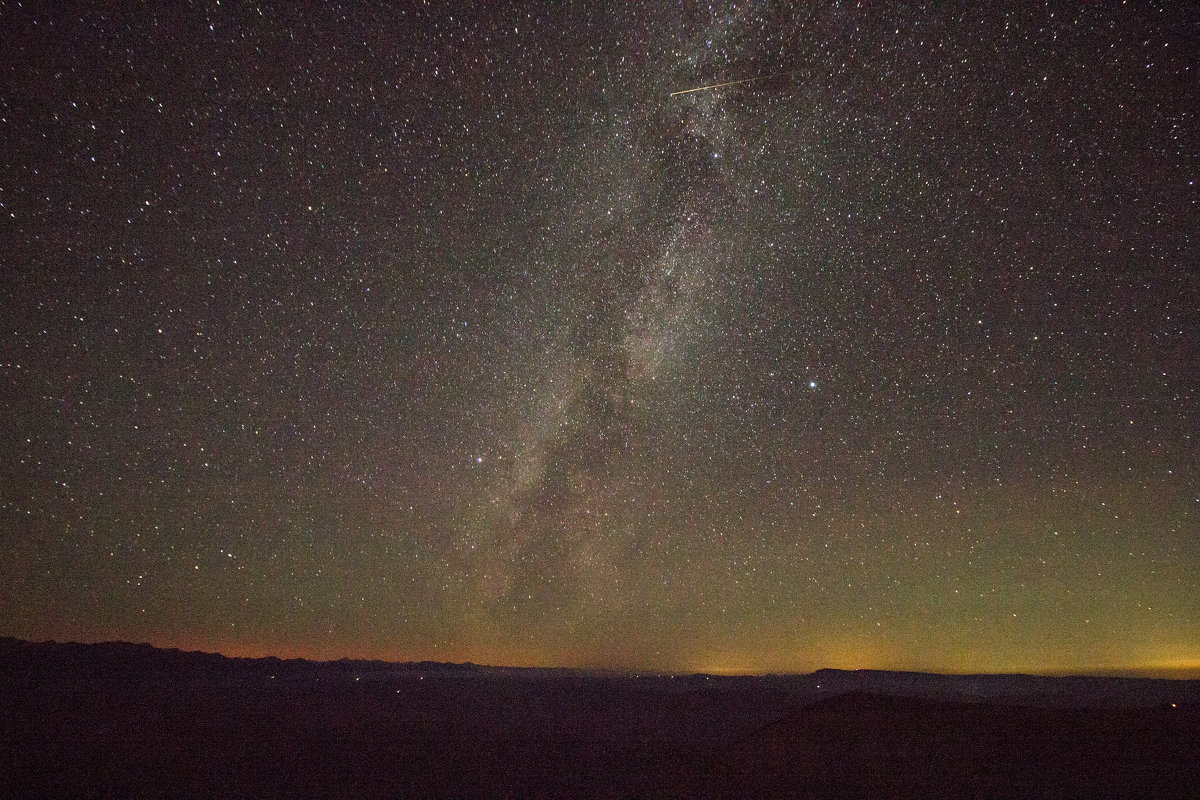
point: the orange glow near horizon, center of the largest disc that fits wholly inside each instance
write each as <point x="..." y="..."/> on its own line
<point x="724" y="665"/>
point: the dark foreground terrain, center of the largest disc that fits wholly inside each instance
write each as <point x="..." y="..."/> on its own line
<point x="122" y="720"/>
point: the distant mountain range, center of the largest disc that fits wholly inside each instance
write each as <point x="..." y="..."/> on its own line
<point x="127" y="660"/>
<point x="25" y="662"/>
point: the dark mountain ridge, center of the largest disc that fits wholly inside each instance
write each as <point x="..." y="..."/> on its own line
<point x="130" y="720"/>
<point x="26" y="662"/>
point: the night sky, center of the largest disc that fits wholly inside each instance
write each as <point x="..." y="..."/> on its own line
<point x="424" y="332"/>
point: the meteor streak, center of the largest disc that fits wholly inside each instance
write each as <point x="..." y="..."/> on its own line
<point x="728" y="83"/>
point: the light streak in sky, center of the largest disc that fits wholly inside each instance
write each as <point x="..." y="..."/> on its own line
<point x="728" y="83"/>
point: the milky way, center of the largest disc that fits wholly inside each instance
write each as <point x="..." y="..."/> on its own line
<point x="475" y="334"/>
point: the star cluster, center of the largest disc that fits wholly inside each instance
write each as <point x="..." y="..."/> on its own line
<point x="415" y="332"/>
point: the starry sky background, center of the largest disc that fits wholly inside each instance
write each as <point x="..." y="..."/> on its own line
<point x="420" y="332"/>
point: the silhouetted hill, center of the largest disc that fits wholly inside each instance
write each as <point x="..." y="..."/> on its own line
<point x="124" y="661"/>
<point x="127" y="720"/>
<point x="1066" y="690"/>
